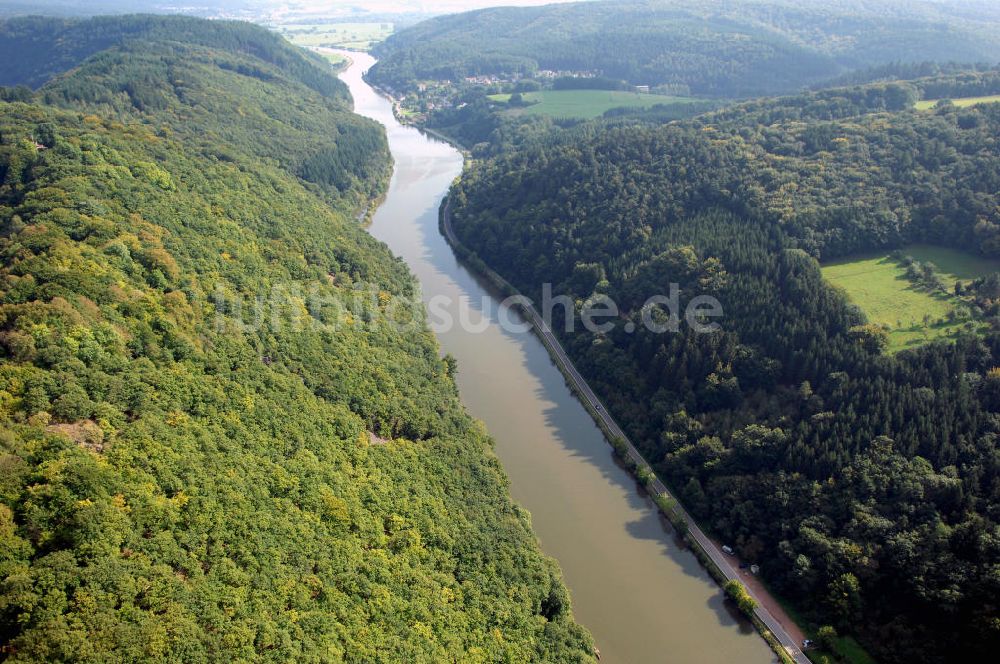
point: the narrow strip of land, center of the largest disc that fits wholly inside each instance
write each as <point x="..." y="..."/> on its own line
<point x="711" y="549"/>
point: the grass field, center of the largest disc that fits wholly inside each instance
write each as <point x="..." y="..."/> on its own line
<point x="353" y="36"/>
<point x="585" y="104"/>
<point x="851" y="651"/>
<point x="927" y="104"/>
<point x="877" y="283"/>
<point x="953" y="265"/>
<point x="334" y="59"/>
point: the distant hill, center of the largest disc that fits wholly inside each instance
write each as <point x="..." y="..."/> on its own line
<point x="83" y="8"/>
<point x="226" y="83"/>
<point x="726" y="48"/>
<point x="33" y="49"/>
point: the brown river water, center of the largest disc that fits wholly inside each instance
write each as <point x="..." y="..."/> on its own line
<point x="633" y="585"/>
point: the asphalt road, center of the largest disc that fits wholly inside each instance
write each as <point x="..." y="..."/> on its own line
<point x="721" y="560"/>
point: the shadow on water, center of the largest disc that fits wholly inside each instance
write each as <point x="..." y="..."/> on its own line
<point x="633" y="583"/>
<point x="564" y="416"/>
<point x="651" y="525"/>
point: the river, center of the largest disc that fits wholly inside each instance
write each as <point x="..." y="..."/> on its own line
<point x="640" y="593"/>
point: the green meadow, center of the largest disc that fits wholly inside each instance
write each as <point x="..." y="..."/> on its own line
<point x="927" y="104"/>
<point x="878" y="284"/>
<point x="953" y="265"/>
<point x="585" y="104"/>
<point x="334" y="59"/>
<point x="353" y="36"/>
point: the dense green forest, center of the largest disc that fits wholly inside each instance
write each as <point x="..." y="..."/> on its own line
<point x="715" y="48"/>
<point x="34" y="49"/>
<point x="865" y="485"/>
<point x="188" y="473"/>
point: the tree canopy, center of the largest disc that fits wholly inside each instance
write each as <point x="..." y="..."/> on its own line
<point x="716" y="48"/>
<point x="201" y="457"/>
<point x="865" y="485"/>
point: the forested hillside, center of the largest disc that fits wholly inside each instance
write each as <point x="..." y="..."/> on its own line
<point x="865" y="485"/>
<point x="716" y="48"/>
<point x="34" y="49"/>
<point x="215" y="444"/>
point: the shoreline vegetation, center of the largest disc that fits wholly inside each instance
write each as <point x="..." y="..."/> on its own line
<point x="788" y="432"/>
<point x="632" y="460"/>
<point x="397" y="112"/>
<point x="184" y="480"/>
<point x="791" y="433"/>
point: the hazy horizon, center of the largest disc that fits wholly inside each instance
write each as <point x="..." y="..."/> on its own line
<point x="263" y="9"/>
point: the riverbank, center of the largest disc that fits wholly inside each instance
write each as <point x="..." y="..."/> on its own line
<point x="639" y="591"/>
<point x="396" y="109"/>
<point x="784" y="641"/>
<point x="401" y="118"/>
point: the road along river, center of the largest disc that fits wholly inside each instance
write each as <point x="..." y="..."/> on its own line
<point x="644" y="597"/>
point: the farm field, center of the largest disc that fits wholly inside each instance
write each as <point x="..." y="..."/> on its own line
<point x="877" y="283"/>
<point x="927" y="104"/>
<point x="354" y="36"/>
<point x="585" y="104"/>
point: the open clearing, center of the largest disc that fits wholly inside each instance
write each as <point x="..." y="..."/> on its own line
<point x="877" y="283"/>
<point x="953" y="265"/>
<point x="334" y="59"/>
<point x="586" y="104"/>
<point x="927" y="104"/>
<point x="353" y="36"/>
